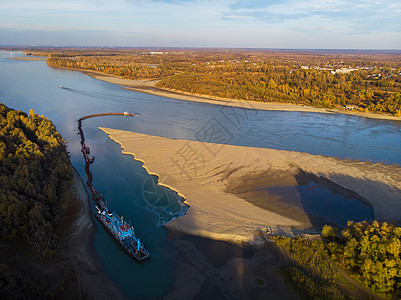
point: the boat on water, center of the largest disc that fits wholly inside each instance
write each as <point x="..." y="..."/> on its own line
<point x="122" y="232"/>
<point x="59" y="86"/>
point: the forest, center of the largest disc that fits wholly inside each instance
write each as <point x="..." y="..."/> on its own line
<point x="362" y="81"/>
<point x="367" y="253"/>
<point x="34" y="171"/>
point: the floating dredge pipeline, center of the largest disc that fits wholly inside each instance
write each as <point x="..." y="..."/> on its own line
<point x="122" y="232"/>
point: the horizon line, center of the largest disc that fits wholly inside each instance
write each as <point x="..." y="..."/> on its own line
<point x="193" y="47"/>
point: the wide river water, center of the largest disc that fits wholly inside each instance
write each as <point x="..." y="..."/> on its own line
<point x="122" y="180"/>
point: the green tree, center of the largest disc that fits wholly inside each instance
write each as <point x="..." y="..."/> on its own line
<point x="328" y="232"/>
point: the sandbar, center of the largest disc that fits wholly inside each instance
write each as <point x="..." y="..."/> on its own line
<point x="30" y="58"/>
<point x="204" y="172"/>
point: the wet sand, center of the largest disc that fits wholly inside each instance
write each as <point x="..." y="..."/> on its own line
<point x="149" y="87"/>
<point x="240" y="274"/>
<point x="204" y="179"/>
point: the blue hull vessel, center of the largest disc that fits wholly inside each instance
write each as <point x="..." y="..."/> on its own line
<point x="122" y="232"/>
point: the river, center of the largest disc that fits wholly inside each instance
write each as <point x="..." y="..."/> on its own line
<point x="122" y="180"/>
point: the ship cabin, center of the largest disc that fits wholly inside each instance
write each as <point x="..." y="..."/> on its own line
<point x="125" y="231"/>
<point x="108" y="217"/>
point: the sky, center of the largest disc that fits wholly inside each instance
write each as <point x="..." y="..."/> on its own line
<point x="290" y="24"/>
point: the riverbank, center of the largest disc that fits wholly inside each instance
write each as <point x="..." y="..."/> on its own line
<point x="149" y="87"/>
<point x="77" y="252"/>
<point x="220" y="213"/>
<point x="74" y="271"/>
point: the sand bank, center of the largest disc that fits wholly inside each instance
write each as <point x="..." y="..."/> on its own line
<point x="203" y="173"/>
<point x="200" y="276"/>
<point x="30" y="58"/>
<point x="149" y="87"/>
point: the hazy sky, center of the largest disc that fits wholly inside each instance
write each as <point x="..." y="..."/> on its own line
<point x="335" y="24"/>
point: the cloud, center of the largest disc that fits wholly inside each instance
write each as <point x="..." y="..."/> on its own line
<point x="175" y="2"/>
<point x="235" y="23"/>
<point x="331" y="8"/>
<point x="359" y="15"/>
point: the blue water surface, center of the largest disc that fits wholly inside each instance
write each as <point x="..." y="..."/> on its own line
<point x="26" y="85"/>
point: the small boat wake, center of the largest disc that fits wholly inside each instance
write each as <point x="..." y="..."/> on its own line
<point x="102" y="96"/>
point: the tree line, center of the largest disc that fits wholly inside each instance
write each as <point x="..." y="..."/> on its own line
<point x="34" y="171"/>
<point x="374" y="85"/>
<point x="368" y="251"/>
<point x="301" y="86"/>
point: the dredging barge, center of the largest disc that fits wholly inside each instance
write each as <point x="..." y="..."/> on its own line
<point x="122" y="232"/>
